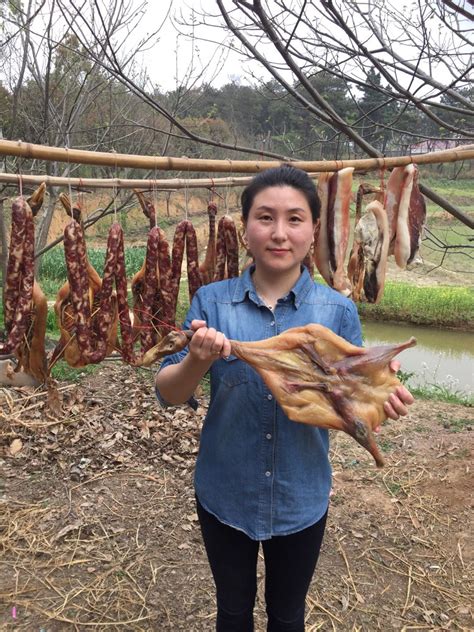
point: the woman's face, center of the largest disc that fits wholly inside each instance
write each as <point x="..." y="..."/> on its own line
<point x="279" y="229"/>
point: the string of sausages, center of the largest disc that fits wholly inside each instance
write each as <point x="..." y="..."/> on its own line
<point x="90" y="310"/>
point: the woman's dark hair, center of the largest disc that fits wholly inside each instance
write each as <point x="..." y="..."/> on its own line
<point x="283" y="176"/>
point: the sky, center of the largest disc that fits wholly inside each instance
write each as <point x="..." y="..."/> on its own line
<point x="181" y="54"/>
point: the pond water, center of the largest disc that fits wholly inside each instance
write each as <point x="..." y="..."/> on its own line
<point x="440" y="357"/>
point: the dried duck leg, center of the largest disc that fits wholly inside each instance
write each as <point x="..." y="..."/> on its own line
<point x="355" y="266"/>
<point x="147" y="207"/>
<point x="31" y="353"/>
<point x="35" y="201"/>
<point x="73" y="210"/>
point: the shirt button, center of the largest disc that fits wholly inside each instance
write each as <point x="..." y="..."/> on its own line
<point x="267" y="473"/>
<point x="268" y="435"/>
<point x="269" y="396"/>
<point x="272" y="323"/>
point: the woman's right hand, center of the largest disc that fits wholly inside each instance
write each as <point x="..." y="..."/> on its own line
<point x="208" y="344"/>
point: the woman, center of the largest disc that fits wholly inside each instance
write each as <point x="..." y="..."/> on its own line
<point x="259" y="476"/>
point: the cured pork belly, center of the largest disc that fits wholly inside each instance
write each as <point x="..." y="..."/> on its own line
<point x="335" y="192"/>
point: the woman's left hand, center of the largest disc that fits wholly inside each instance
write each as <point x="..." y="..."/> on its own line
<point x="397" y="404"/>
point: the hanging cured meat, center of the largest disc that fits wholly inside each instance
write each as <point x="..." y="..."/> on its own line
<point x="35" y="201"/>
<point x="147" y="207"/>
<point x="411" y="219"/>
<point x="392" y="202"/>
<point x="320" y="379"/>
<point x="227" y="265"/>
<point x="31" y="353"/>
<point x="20" y="275"/>
<point x="321" y="249"/>
<point x="147" y="303"/>
<point x="373" y="233"/>
<point x="86" y="317"/>
<point x="25" y="306"/>
<point x="335" y="192"/>
<point x="355" y="266"/>
<point x="74" y="210"/>
<point x="185" y="238"/>
<point x="207" y="268"/>
<point x="368" y="259"/>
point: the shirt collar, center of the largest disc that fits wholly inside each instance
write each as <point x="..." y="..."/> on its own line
<point x="245" y="287"/>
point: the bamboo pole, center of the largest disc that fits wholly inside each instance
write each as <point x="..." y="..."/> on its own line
<point x="172" y="184"/>
<point x="160" y="163"/>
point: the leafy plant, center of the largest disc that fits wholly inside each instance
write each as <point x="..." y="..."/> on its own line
<point x="62" y="371"/>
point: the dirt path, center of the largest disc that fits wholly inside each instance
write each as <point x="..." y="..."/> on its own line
<point x="98" y="528"/>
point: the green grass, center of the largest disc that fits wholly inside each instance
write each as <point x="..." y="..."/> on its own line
<point x="456" y="424"/>
<point x="441" y="393"/>
<point x="65" y="373"/>
<point x="53" y="264"/>
<point x="448" y="306"/>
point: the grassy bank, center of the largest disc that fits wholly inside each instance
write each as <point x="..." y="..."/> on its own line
<point x="443" y="307"/>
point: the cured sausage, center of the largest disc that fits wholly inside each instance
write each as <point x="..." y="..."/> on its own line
<point x="25" y="306"/>
<point x="207" y="268"/>
<point x="20" y="276"/>
<point x="87" y="316"/>
<point x="185" y="237"/>
<point x="227" y="249"/>
<point x="150" y="289"/>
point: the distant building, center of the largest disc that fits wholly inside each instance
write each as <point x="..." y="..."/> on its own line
<point x="428" y="146"/>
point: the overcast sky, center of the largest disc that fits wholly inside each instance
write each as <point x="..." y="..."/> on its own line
<point x="175" y="52"/>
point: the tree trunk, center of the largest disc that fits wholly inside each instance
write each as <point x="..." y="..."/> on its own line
<point x="44" y="225"/>
<point x="3" y="247"/>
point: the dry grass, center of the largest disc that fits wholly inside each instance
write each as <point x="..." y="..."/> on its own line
<point x="98" y="529"/>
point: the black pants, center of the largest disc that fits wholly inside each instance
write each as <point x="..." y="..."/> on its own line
<point x="289" y="566"/>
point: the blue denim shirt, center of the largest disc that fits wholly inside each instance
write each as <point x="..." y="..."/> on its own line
<point x="256" y="470"/>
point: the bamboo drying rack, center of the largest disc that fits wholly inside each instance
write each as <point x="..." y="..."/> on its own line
<point x="161" y="163"/>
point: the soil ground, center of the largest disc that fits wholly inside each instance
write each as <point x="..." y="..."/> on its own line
<point x="98" y="528"/>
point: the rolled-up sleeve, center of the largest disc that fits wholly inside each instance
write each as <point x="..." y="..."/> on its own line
<point x="195" y="312"/>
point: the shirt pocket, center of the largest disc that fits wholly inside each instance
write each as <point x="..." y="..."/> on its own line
<point x="231" y="371"/>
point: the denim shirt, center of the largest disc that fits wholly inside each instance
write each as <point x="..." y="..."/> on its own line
<point x="256" y="470"/>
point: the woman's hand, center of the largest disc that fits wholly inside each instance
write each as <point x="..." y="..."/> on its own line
<point x="397" y="404"/>
<point x="208" y="344"/>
